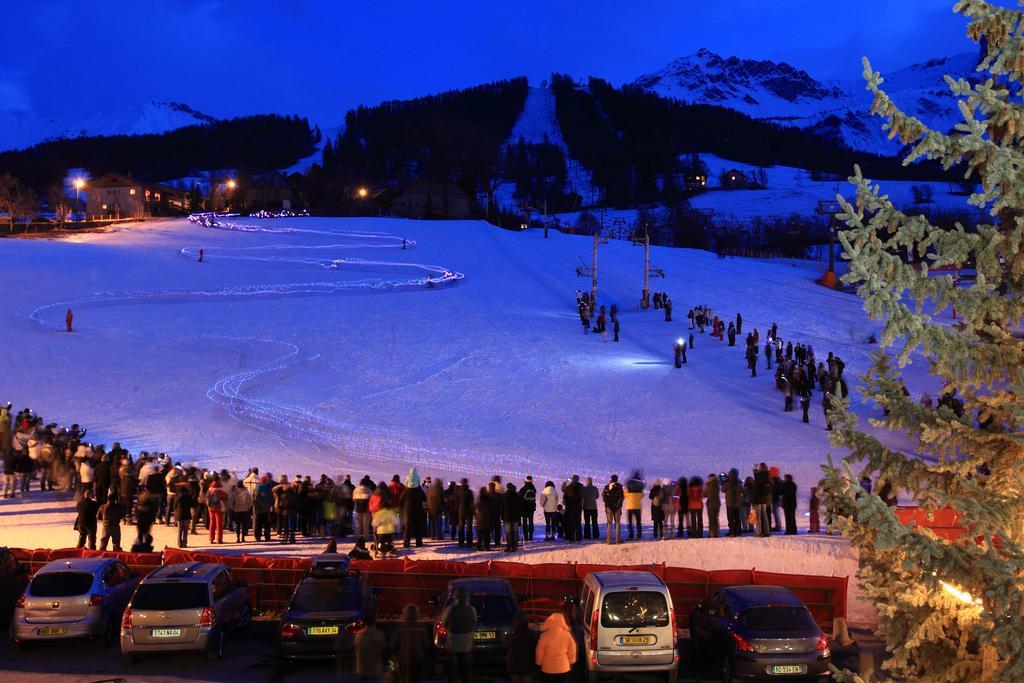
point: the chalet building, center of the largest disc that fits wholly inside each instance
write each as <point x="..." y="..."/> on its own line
<point x="695" y="182"/>
<point x="113" y="195"/>
<point x="432" y="199"/>
<point x="735" y="179"/>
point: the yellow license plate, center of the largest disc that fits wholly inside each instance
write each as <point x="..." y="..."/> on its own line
<point x="52" y="631"/>
<point x="634" y="640"/>
<point x="484" y="635"/>
<point x="787" y="669"/>
<point x="322" y="630"/>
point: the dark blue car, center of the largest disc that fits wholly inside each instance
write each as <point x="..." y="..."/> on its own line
<point x="760" y="632"/>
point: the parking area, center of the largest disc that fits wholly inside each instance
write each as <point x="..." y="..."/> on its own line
<point x="249" y="657"/>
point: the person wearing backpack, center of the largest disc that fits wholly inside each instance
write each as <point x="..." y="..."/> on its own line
<point x="612" y="497"/>
<point x="216" y="503"/>
<point x="528" y="494"/>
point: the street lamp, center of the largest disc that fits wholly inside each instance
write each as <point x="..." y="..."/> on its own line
<point x="79" y="186"/>
<point x="363" y="193"/>
<point x="232" y="184"/>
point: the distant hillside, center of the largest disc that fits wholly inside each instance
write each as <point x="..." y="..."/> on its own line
<point x="19" y="130"/>
<point x="781" y="93"/>
<point x="252" y="144"/>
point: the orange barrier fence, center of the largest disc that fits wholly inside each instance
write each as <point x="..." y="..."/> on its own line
<point x="944" y="523"/>
<point x="542" y="588"/>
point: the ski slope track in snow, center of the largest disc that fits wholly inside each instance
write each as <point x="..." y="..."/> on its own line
<point x="285" y="420"/>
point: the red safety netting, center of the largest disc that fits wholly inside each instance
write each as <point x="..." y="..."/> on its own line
<point x="541" y="588"/>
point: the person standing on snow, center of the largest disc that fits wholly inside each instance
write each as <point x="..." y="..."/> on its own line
<point x="590" y="497"/>
<point x="789" y="504"/>
<point x="528" y="494"/>
<point x="69" y="318"/>
<point x="612" y="497"/>
<point x="714" y="503"/>
<point x="634" y="503"/>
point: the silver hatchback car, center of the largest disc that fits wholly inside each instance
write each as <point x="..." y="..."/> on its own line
<point x="184" y="607"/>
<point x="74" y="598"/>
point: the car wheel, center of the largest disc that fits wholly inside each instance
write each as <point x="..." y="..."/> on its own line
<point x="245" y="618"/>
<point x="216" y="651"/>
<point x="727" y="671"/>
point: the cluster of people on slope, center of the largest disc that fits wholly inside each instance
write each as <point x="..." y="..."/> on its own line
<point x="585" y="306"/>
<point x="551" y="650"/>
<point x="796" y="374"/>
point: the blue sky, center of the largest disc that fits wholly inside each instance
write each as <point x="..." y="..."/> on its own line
<point x="318" y="59"/>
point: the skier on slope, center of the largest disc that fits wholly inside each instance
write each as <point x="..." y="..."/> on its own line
<point x="69" y="318"/>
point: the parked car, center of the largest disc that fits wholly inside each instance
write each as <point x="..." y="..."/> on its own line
<point x="496" y="609"/>
<point x="326" y="611"/>
<point x="13" y="579"/>
<point x="190" y="606"/>
<point x="74" y="598"/>
<point x="760" y="632"/>
<point x="625" y="623"/>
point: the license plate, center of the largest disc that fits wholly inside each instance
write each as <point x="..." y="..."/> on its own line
<point x="166" y="633"/>
<point x="787" y="669"/>
<point x="52" y="631"/>
<point x="322" y="631"/>
<point x="634" y="640"/>
<point x="484" y="635"/>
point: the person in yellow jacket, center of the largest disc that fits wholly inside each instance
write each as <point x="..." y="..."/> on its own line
<point x="634" y="502"/>
<point x="556" y="649"/>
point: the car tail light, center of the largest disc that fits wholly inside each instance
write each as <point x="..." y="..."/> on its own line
<point x="95" y="599"/>
<point x="356" y="626"/>
<point x="822" y="646"/>
<point x="207" y="617"/>
<point x="742" y="644"/>
<point x="20" y="604"/>
<point x="675" y="631"/>
<point x="289" y="630"/>
<point x="126" y="618"/>
<point x="593" y="630"/>
<point x="440" y="631"/>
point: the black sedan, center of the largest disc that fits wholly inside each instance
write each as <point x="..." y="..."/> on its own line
<point x="324" y="616"/>
<point x="496" y="610"/>
<point x="760" y="632"/>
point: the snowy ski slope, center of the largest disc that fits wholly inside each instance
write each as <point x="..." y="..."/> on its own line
<point x="315" y="345"/>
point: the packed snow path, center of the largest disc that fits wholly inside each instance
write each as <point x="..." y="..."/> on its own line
<point x="363" y="368"/>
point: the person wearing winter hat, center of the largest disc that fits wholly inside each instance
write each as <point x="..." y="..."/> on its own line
<point x="216" y="503"/>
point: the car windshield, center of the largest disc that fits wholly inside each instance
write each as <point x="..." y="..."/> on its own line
<point x="493" y="607"/>
<point x="634" y="609"/>
<point x="171" y="596"/>
<point x="326" y="595"/>
<point x="777" y="619"/>
<point x="60" y="584"/>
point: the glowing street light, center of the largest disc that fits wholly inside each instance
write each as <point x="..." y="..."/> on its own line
<point x="363" y="193"/>
<point x="79" y="186"/>
<point x="232" y="184"/>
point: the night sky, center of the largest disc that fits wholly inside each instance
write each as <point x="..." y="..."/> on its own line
<point x="69" y="58"/>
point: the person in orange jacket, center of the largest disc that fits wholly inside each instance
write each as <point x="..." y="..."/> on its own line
<point x="68" y="319"/>
<point x="556" y="649"/>
<point x="217" y="503"/>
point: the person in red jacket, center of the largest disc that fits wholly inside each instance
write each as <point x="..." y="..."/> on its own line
<point x="695" y="505"/>
<point x="216" y="501"/>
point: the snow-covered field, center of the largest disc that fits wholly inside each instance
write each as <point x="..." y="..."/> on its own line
<point x="312" y="345"/>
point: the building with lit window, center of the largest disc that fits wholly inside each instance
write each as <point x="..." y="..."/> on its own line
<point x="113" y="195"/>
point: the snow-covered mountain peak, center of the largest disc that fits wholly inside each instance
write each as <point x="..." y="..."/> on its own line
<point x="758" y="87"/>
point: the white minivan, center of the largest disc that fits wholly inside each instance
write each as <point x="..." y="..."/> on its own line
<point x="626" y="624"/>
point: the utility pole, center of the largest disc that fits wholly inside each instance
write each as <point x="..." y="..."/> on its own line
<point x="545" y="218"/>
<point x="593" y="271"/>
<point x="647" y="271"/>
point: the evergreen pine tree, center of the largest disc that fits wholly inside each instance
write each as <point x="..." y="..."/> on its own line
<point x="951" y="610"/>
